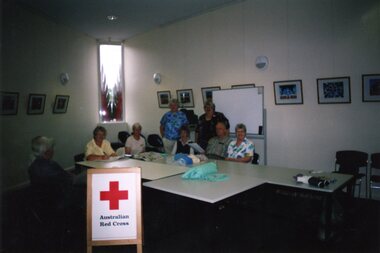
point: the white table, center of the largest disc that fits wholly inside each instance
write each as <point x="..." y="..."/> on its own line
<point x="149" y="170"/>
<point x="242" y="177"/>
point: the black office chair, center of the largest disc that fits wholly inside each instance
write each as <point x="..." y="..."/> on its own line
<point x="155" y="143"/>
<point x="350" y="162"/>
<point x="78" y="168"/>
<point x="123" y="136"/>
<point x="256" y="158"/>
<point x="374" y="179"/>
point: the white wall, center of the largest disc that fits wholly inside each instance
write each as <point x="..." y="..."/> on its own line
<point x="35" y="52"/>
<point x="303" y="39"/>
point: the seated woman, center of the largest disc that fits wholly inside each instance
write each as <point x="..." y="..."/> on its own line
<point x="182" y="145"/>
<point x="241" y="149"/>
<point x="99" y="148"/>
<point x="135" y="143"/>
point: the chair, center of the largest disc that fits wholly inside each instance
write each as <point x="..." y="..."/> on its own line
<point x="78" y="168"/>
<point x="155" y="143"/>
<point x="349" y="162"/>
<point x="123" y="136"/>
<point x="375" y="164"/>
<point x="256" y="158"/>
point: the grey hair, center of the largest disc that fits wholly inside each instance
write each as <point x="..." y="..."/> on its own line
<point x="41" y="144"/>
<point x="211" y="104"/>
<point x="136" y="126"/>
<point x="174" y="101"/>
<point x="241" y="126"/>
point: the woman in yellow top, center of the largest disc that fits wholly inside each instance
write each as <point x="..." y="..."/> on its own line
<point x="99" y="148"/>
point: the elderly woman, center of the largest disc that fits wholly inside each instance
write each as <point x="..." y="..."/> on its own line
<point x="241" y="149"/>
<point x="206" y="126"/>
<point x="99" y="148"/>
<point x="135" y="143"/>
<point x="170" y="124"/>
<point x="182" y="145"/>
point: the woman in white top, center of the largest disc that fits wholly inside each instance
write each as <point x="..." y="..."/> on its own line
<point x="135" y="143"/>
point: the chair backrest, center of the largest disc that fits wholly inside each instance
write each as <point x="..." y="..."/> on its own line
<point x="155" y="140"/>
<point x="350" y="161"/>
<point x="123" y="136"/>
<point x="256" y="158"/>
<point x="375" y="161"/>
<point x="78" y="157"/>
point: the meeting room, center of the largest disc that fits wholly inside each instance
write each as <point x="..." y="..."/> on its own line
<point x="190" y="126"/>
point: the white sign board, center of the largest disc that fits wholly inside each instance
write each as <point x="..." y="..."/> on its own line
<point x="114" y="206"/>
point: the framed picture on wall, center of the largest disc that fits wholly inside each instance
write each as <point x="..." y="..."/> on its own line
<point x="8" y="103"/>
<point x="185" y="98"/>
<point x="36" y="103"/>
<point x="288" y="92"/>
<point x="207" y="93"/>
<point x="371" y="88"/>
<point x="243" y="86"/>
<point x="60" y="104"/>
<point x="163" y="98"/>
<point x="334" y="90"/>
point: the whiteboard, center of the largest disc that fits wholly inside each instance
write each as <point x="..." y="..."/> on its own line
<point x="241" y="106"/>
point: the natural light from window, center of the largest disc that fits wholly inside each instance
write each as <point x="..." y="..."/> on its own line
<point x="111" y="83"/>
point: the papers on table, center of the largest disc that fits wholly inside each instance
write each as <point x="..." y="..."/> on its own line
<point x="110" y="159"/>
<point x="196" y="147"/>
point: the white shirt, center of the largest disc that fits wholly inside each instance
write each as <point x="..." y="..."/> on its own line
<point x="136" y="146"/>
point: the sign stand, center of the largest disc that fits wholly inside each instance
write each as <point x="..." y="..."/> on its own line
<point x="114" y="207"/>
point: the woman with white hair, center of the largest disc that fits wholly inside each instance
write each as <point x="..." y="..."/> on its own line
<point x="135" y="143"/>
<point x="170" y="124"/>
<point x="241" y="149"/>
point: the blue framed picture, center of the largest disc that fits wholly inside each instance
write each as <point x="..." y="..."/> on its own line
<point x="335" y="90"/>
<point x="288" y="92"/>
<point x="371" y="88"/>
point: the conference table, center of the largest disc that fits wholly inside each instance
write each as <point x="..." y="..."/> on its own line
<point x="165" y="176"/>
<point x="160" y="168"/>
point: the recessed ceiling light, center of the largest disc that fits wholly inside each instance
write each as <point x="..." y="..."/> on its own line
<point x="111" y="17"/>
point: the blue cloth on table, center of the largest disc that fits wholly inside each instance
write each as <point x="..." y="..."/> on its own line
<point x="205" y="171"/>
<point x="183" y="158"/>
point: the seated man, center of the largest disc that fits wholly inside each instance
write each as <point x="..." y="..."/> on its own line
<point x="48" y="178"/>
<point x="217" y="146"/>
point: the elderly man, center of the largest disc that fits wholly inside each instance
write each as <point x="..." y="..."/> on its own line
<point x="50" y="181"/>
<point x="46" y="173"/>
<point x="217" y="146"/>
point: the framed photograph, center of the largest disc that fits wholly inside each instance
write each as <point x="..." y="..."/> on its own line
<point x="163" y="98"/>
<point x="207" y="93"/>
<point x="243" y="86"/>
<point x="36" y="103"/>
<point x="60" y="104"/>
<point x="8" y="103"/>
<point x="335" y="90"/>
<point x="371" y="88"/>
<point x="185" y="98"/>
<point x="288" y="92"/>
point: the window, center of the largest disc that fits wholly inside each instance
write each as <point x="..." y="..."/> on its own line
<point x="111" y="107"/>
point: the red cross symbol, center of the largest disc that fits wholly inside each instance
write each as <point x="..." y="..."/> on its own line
<point x="114" y="195"/>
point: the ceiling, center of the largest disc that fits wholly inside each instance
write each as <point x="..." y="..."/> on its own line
<point x="133" y="16"/>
